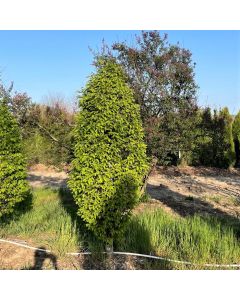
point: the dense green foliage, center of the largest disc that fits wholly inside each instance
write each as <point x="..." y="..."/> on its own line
<point x="39" y="149"/>
<point x="215" y="146"/>
<point x="226" y="153"/>
<point x="170" y="139"/>
<point x="236" y="136"/>
<point x="45" y="128"/>
<point x="13" y="187"/>
<point x="236" y="126"/>
<point x="203" y="152"/>
<point x="151" y="84"/>
<point x="110" y="153"/>
<point x="48" y="137"/>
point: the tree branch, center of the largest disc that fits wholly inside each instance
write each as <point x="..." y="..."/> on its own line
<point x="50" y="135"/>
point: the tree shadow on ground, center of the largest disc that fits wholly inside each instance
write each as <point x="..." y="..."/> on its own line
<point x="19" y="209"/>
<point x="231" y="177"/>
<point x="190" y="206"/>
<point x="88" y="241"/>
<point x="46" y="181"/>
<point x="137" y="240"/>
<point x="40" y="256"/>
<point x="102" y="261"/>
<point x="71" y="208"/>
<point x="197" y="186"/>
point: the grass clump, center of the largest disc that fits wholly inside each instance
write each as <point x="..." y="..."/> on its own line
<point x="145" y="198"/>
<point x="191" y="239"/>
<point x="224" y="200"/>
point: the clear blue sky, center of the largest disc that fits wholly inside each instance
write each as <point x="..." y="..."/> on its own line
<point x="59" y="62"/>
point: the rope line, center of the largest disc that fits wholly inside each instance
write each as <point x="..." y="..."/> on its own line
<point x="25" y="246"/>
<point x="161" y="258"/>
<point x="128" y="253"/>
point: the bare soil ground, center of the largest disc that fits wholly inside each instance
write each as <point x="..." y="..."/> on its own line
<point x="189" y="190"/>
<point x="40" y="175"/>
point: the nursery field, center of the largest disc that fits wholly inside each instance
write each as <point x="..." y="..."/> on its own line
<point x="189" y="214"/>
<point x="107" y="178"/>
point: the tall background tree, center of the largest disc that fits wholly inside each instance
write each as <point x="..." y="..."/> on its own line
<point x="236" y="137"/>
<point x="215" y="146"/>
<point x="203" y="153"/>
<point x="162" y="78"/>
<point x="224" y="154"/>
<point x="110" y="155"/>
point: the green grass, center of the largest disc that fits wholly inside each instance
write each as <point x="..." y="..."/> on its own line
<point x="195" y="239"/>
<point x="230" y="200"/>
<point x="46" y="224"/>
<point x="145" y="198"/>
<point x="52" y="223"/>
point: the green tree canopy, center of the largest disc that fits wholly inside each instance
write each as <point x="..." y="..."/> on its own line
<point x="13" y="187"/>
<point x="110" y="155"/>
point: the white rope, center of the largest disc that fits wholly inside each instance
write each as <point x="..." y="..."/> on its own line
<point x="163" y="258"/>
<point x="25" y="246"/>
<point x="130" y="254"/>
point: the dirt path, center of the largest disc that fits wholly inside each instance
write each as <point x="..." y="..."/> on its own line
<point x="42" y="176"/>
<point x="196" y="190"/>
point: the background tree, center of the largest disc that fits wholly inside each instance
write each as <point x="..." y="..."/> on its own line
<point x="14" y="187"/>
<point x="19" y="104"/>
<point x="162" y="78"/>
<point x="214" y="141"/>
<point x="203" y="153"/>
<point x="236" y="136"/>
<point x="224" y="154"/>
<point x="45" y="128"/>
<point x="110" y="153"/>
<point x="49" y="137"/>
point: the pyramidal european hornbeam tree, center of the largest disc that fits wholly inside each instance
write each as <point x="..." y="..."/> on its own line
<point x="110" y="155"/>
<point x="13" y="185"/>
